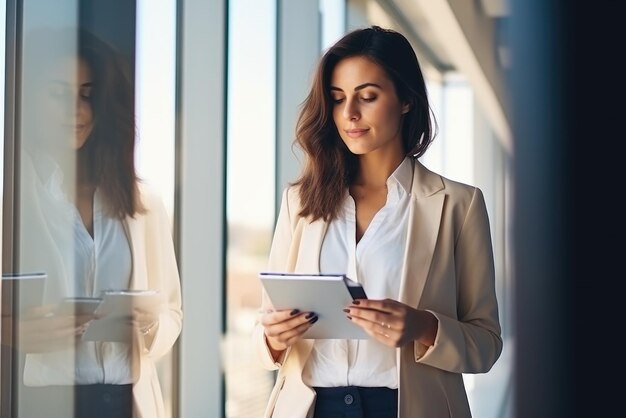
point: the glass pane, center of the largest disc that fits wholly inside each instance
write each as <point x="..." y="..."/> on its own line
<point x="90" y="215"/>
<point x="250" y="194"/>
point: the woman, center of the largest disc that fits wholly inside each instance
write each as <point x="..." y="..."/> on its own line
<point x="418" y="242"/>
<point x="93" y="226"/>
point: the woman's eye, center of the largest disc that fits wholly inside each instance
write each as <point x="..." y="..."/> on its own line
<point x="369" y="99"/>
<point x="337" y="100"/>
<point x="85" y="93"/>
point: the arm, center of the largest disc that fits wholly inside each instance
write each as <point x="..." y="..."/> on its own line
<point x="471" y="342"/>
<point x="44" y="329"/>
<point x="276" y="331"/>
<point x="162" y="274"/>
<point x="278" y="251"/>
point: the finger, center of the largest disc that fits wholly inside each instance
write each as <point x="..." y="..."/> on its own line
<point x="289" y="324"/>
<point x="287" y="319"/>
<point x="83" y="319"/>
<point x="367" y="325"/>
<point x="377" y="318"/>
<point x="145" y="319"/>
<point x="382" y="335"/>
<point x="80" y="330"/>
<point x="292" y="336"/>
<point x="276" y="317"/>
<point x="384" y="305"/>
<point x="48" y="325"/>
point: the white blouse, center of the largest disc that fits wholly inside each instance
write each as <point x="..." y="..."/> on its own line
<point x="376" y="263"/>
<point x="93" y="265"/>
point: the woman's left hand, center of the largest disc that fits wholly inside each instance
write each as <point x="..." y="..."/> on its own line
<point x="146" y="321"/>
<point x="393" y="323"/>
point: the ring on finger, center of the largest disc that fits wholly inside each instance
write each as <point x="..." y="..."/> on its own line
<point x="382" y="324"/>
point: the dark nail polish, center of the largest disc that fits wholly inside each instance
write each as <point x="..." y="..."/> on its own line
<point x="295" y="311"/>
<point x="310" y="314"/>
<point x="356" y="302"/>
<point x="346" y="310"/>
<point x="349" y="317"/>
<point x="314" y="319"/>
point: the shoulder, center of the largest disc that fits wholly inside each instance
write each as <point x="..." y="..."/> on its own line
<point x="290" y="199"/>
<point x="430" y="182"/>
<point x="290" y="206"/>
<point x="150" y="198"/>
<point x="461" y="192"/>
<point x="292" y="195"/>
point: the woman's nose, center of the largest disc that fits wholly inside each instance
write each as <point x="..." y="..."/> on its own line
<point x="81" y="106"/>
<point x="351" y="110"/>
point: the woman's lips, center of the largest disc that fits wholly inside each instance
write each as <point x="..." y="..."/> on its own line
<point x="355" y="133"/>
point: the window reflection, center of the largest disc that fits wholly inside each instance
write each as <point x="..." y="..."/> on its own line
<point x="100" y="234"/>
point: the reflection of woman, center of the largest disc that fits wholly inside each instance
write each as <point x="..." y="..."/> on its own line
<point x="106" y="230"/>
<point x="418" y="242"/>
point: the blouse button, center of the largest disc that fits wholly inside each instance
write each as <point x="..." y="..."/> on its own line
<point x="348" y="399"/>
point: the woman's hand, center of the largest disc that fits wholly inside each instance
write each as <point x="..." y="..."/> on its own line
<point x="144" y="320"/>
<point x="43" y="329"/>
<point x="393" y="323"/>
<point x="284" y="328"/>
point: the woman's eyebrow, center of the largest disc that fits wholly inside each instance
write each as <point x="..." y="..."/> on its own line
<point x="359" y="87"/>
<point x="65" y="83"/>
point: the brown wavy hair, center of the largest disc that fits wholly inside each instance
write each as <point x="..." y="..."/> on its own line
<point x="329" y="166"/>
<point x="109" y="152"/>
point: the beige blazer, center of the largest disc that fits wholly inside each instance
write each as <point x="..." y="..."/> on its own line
<point x="154" y="266"/>
<point x="448" y="270"/>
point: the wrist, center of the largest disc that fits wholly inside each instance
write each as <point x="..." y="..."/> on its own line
<point x="429" y="329"/>
<point x="275" y="347"/>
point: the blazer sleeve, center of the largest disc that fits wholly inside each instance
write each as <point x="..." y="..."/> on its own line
<point x="279" y="251"/>
<point x="471" y="342"/>
<point x="163" y="275"/>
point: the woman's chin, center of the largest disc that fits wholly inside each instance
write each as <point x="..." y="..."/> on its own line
<point x="79" y="143"/>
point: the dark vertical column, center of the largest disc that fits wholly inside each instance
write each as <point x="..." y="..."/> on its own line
<point x="569" y="270"/>
<point x="10" y="200"/>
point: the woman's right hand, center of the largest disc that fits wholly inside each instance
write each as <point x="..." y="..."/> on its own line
<point x="45" y="330"/>
<point x="285" y="327"/>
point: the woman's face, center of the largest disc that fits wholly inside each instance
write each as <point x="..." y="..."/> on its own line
<point x="67" y="102"/>
<point x="84" y="110"/>
<point x="366" y="108"/>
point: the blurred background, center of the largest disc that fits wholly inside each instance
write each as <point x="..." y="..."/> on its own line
<point x="218" y="84"/>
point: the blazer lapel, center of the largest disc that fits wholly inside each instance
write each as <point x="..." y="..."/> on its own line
<point x="308" y="260"/>
<point x="138" y="277"/>
<point x="303" y="257"/>
<point x="424" y="218"/>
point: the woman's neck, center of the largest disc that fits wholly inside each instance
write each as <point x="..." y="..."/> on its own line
<point x="84" y="185"/>
<point x="82" y="172"/>
<point x="374" y="170"/>
<point x="77" y="184"/>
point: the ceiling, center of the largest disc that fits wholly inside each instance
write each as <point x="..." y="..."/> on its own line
<point x="468" y="37"/>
